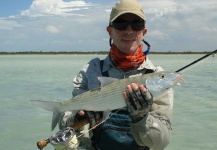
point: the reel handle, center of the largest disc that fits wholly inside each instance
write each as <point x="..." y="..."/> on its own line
<point x="43" y="143"/>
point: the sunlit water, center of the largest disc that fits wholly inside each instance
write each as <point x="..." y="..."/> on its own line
<point x="49" y="77"/>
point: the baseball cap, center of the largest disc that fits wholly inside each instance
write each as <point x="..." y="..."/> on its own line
<point x="126" y="6"/>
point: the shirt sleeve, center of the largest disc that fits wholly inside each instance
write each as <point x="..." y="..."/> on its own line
<point x="82" y="83"/>
<point x="154" y="130"/>
<point x="87" y="77"/>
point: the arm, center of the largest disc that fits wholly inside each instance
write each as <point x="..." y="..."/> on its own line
<point x="151" y="126"/>
<point x="80" y="86"/>
<point x="84" y="81"/>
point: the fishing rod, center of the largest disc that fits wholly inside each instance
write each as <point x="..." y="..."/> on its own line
<point x="43" y="143"/>
<point x="196" y="61"/>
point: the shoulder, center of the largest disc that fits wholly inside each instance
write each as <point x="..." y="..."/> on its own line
<point x="87" y="77"/>
<point x="93" y="64"/>
<point x="94" y="61"/>
<point x="149" y="65"/>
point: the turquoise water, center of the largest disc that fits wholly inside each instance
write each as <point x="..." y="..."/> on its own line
<point x="49" y="77"/>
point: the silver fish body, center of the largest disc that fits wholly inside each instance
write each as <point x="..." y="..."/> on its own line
<point x="109" y="96"/>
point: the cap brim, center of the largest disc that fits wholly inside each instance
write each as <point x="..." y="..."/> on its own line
<point x="126" y="12"/>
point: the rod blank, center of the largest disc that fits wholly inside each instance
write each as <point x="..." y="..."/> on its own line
<point x="194" y="62"/>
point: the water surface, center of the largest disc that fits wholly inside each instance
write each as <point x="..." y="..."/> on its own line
<point x="49" y="77"/>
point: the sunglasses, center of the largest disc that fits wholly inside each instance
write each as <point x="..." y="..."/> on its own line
<point x="121" y="24"/>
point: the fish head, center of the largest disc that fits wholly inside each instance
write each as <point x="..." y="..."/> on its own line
<point x="159" y="82"/>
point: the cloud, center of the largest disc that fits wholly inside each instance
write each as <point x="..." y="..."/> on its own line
<point x="159" y="8"/>
<point x="55" y="7"/>
<point x="52" y="29"/>
<point x="159" y="35"/>
<point x="177" y="24"/>
<point x="208" y="29"/>
<point x="57" y="25"/>
<point x="8" y="24"/>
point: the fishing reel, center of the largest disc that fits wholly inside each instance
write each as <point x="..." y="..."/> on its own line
<point x="65" y="139"/>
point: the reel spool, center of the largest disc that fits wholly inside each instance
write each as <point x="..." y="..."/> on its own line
<point x="64" y="139"/>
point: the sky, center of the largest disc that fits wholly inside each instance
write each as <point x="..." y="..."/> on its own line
<point x="80" y="25"/>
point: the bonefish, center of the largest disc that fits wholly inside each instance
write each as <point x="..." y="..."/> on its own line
<point x="109" y="95"/>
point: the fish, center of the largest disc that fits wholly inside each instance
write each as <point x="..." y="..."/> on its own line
<point x="109" y="95"/>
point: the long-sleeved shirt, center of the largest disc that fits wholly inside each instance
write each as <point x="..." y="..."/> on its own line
<point x="154" y="129"/>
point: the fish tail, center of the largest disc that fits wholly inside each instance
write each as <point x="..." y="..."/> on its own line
<point x="50" y="106"/>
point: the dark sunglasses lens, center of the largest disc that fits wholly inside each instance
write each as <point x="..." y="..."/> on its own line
<point x="120" y="26"/>
<point x="135" y="25"/>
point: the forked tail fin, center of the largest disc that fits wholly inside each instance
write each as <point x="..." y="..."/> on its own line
<point x="50" y="106"/>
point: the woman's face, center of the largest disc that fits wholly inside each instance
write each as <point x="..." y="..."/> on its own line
<point x="127" y="40"/>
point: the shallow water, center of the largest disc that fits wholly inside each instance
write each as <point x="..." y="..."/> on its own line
<point x="49" y="77"/>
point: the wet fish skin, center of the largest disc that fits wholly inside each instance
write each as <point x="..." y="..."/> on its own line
<point x="109" y="96"/>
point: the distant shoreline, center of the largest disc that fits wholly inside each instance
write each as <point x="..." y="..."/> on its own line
<point x="87" y="53"/>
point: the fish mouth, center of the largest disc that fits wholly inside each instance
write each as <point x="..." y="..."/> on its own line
<point x="164" y="82"/>
<point x="177" y="79"/>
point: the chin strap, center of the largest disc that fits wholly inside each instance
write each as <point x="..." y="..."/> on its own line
<point x="148" y="47"/>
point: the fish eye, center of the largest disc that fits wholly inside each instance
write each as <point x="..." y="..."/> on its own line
<point x="162" y="76"/>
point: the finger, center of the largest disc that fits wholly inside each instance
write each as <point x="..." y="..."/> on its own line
<point x="139" y="101"/>
<point x="125" y="95"/>
<point x="143" y="91"/>
<point x="129" y="96"/>
<point x="81" y="113"/>
<point x="129" y="88"/>
<point x="128" y="102"/>
<point x="132" y="95"/>
<point x="132" y="99"/>
<point x="147" y="96"/>
<point x="134" y="86"/>
<point x="142" y="88"/>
